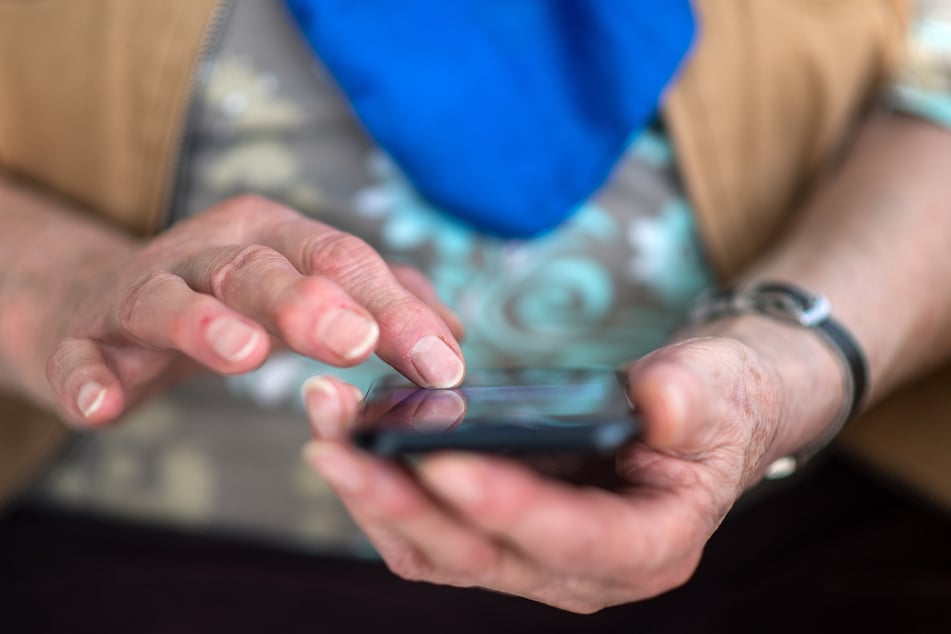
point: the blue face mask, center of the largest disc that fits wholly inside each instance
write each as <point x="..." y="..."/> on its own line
<point x="505" y="113"/>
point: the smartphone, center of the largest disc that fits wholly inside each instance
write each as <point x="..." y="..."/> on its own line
<point x="504" y="411"/>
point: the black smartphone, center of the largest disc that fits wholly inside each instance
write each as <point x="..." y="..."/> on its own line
<point x="505" y="411"/>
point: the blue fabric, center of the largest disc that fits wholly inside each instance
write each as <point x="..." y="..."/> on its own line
<point x="505" y="113"/>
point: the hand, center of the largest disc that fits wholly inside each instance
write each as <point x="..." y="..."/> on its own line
<point x="220" y="289"/>
<point x="713" y="409"/>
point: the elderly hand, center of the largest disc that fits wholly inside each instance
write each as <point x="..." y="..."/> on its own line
<point x="215" y="290"/>
<point x="714" y="411"/>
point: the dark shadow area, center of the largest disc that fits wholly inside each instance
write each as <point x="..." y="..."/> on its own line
<point x="836" y="552"/>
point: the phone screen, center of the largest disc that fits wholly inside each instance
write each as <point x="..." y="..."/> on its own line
<point x="513" y="410"/>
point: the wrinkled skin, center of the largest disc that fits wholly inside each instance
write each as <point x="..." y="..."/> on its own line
<point x="711" y="407"/>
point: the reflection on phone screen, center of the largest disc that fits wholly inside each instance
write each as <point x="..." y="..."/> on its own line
<point x="525" y="396"/>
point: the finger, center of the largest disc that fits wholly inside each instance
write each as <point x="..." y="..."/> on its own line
<point x="87" y="390"/>
<point x="413" y="339"/>
<point x="661" y="391"/>
<point x="417" y="538"/>
<point x="647" y="539"/>
<point x="163" y="312"/>
<point x="312" y="314"/>
<point x="690" y="394"/>
<point x="332" y="405"/>
<point x="416" y="283"/>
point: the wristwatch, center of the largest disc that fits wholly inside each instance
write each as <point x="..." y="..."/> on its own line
<point x="791" y="304"/>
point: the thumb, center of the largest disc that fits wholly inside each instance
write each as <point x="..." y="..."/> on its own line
<point x="680" y="392"/>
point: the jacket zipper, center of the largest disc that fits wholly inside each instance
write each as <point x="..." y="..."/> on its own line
<point x="180" y="163"/>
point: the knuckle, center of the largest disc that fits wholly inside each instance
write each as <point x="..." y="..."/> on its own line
<point x="134" y="297"/>
<point x="343" y="256"/>
<point x="238" y="260"/>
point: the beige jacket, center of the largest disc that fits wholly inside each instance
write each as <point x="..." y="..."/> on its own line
<point x="95" y="94"/>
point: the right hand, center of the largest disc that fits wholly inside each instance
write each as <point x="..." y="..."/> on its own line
<point x="220" y="289"/>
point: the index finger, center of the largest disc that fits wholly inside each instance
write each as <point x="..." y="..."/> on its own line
<point x="413" y="338"/>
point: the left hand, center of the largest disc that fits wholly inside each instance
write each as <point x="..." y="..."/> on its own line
<point x="714" y="411"/>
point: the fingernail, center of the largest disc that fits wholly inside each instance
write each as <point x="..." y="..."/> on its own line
<point x="90" y="398"/>
<point x="339" y="469"/>
<point x="349" y="334"/>
<point x="232" y="339"/>
<point x="436" y="362"/>
<point x="323" y="406"/>
<point x="456" y="480"/>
